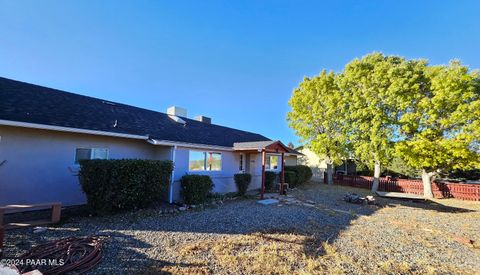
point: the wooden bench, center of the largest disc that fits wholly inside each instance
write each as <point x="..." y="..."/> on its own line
<point x="56" y="208"/>
<point x="55" y="217"/>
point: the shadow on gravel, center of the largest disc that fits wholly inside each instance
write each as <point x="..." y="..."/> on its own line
<point x="427" y="205"/>
<point x="316" y="227"/>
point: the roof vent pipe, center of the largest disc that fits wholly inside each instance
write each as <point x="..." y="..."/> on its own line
<point x="177" y="111"/>
<point x="204" y="119"/>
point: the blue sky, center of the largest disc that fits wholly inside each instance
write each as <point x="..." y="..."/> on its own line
<point x="235" y="61"/>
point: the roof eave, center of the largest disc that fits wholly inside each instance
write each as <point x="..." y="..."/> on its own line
<point x="69" y="129"/>
<point x="188" y="145"/>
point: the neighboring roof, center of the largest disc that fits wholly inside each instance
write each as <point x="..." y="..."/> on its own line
<point x="24" y="102"/>
<point x="295" y="152"/>
<point x="299" y="148"/>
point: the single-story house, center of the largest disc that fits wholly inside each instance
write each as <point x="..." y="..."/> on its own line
<point x="44" y="133"/>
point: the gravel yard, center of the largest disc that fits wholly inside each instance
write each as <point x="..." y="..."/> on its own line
<point x="323" y="234"/>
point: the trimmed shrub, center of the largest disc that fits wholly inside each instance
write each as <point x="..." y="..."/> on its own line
<point x="242" y="180"/>
<point x="270" y="178"/>
<point x="290" y="178"/>
<point x="303" y="173"/>
<point x="116" y="185"/>
<point x="307" y="172"/>
<point x="196" y="188"/>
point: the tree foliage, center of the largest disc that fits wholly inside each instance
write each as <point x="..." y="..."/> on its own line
<point x="378" y="88"/>
<point x="440" y="127"/>
<point x="316" y="116"/>
<point x="380" y="107"/>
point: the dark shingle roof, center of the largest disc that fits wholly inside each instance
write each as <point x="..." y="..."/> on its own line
<point x="24" y="102"/>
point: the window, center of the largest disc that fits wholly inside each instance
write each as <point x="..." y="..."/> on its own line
<point x="204" y="161"/>
<point x="271" y="162"/>
<point x="214" y="161"/>
<point x="90" y="153"/>
<point x="196" y="161"/>
<point x="240" y="168"/>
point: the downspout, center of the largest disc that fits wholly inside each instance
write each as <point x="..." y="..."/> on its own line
<point x="174" y="149"/>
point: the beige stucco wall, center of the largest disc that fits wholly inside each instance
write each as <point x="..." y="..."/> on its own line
<point x="40" y="164"/>
<point x="291" y="160"/>
<point x="317" y="164"/>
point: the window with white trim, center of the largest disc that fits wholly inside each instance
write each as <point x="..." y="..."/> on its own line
<point x="90" y="153"/>
<point x="271" y="162"/>
<point x="204" y="161"/>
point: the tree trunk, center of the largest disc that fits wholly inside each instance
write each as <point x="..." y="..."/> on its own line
<point x="427" y="184"/>
<point x="376" y="177"/>
<point x="329" y="171"/>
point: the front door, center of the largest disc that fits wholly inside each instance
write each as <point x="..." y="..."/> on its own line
<point x="248" y="167"/>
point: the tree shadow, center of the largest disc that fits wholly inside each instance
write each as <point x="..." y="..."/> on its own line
<point x="126" y="242"/>
<point x="426" y="205"/>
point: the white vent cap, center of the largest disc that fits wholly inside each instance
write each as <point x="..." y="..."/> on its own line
<point x="177" y="111"/>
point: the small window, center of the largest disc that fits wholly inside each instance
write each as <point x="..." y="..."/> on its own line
<point x="204" y="161"/>
<point x="240" y="168"/>
<point x="90" y="153"/>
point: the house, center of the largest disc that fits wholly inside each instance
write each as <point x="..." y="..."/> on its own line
<point x="44" y="132"/>
<point x="318" y="164"/>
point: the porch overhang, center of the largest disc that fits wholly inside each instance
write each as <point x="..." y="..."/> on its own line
<point x="270" y="146"/>
<point x="265" y="147"/>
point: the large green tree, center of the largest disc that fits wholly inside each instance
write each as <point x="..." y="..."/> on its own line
<point x="378" y="88"/>
<point x="317" y="117"/>
<point x="380" y="107"/>
<point x="440" y="126"/>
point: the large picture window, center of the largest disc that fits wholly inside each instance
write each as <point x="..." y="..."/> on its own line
<point x="204" y="161"/>
<point x="90" y="153"/>
<point x="271" y="162"/>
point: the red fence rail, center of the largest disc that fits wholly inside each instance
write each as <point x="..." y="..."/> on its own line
<point x="461" y="191"/>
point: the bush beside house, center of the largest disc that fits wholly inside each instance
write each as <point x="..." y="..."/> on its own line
<point x="303" y="174"/>
<point x="196" y="188"/>
<point x="270" y="178"/>
<point x="290" y="178"/>
<point x="242" y="181"/>
<point x="115" y="185"/>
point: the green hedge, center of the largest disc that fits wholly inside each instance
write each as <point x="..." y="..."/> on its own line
<point x="196" y="188"/>
<point x="115" y="185"/>
<point x="242" y="181"/>
<point x="303" y="174"/>
<point x="290" y="178"/>
<point x="270" y="178"/>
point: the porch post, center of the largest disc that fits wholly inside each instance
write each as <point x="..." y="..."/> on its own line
<point x="282" y="179"/>
<point x="263" y="175"/>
